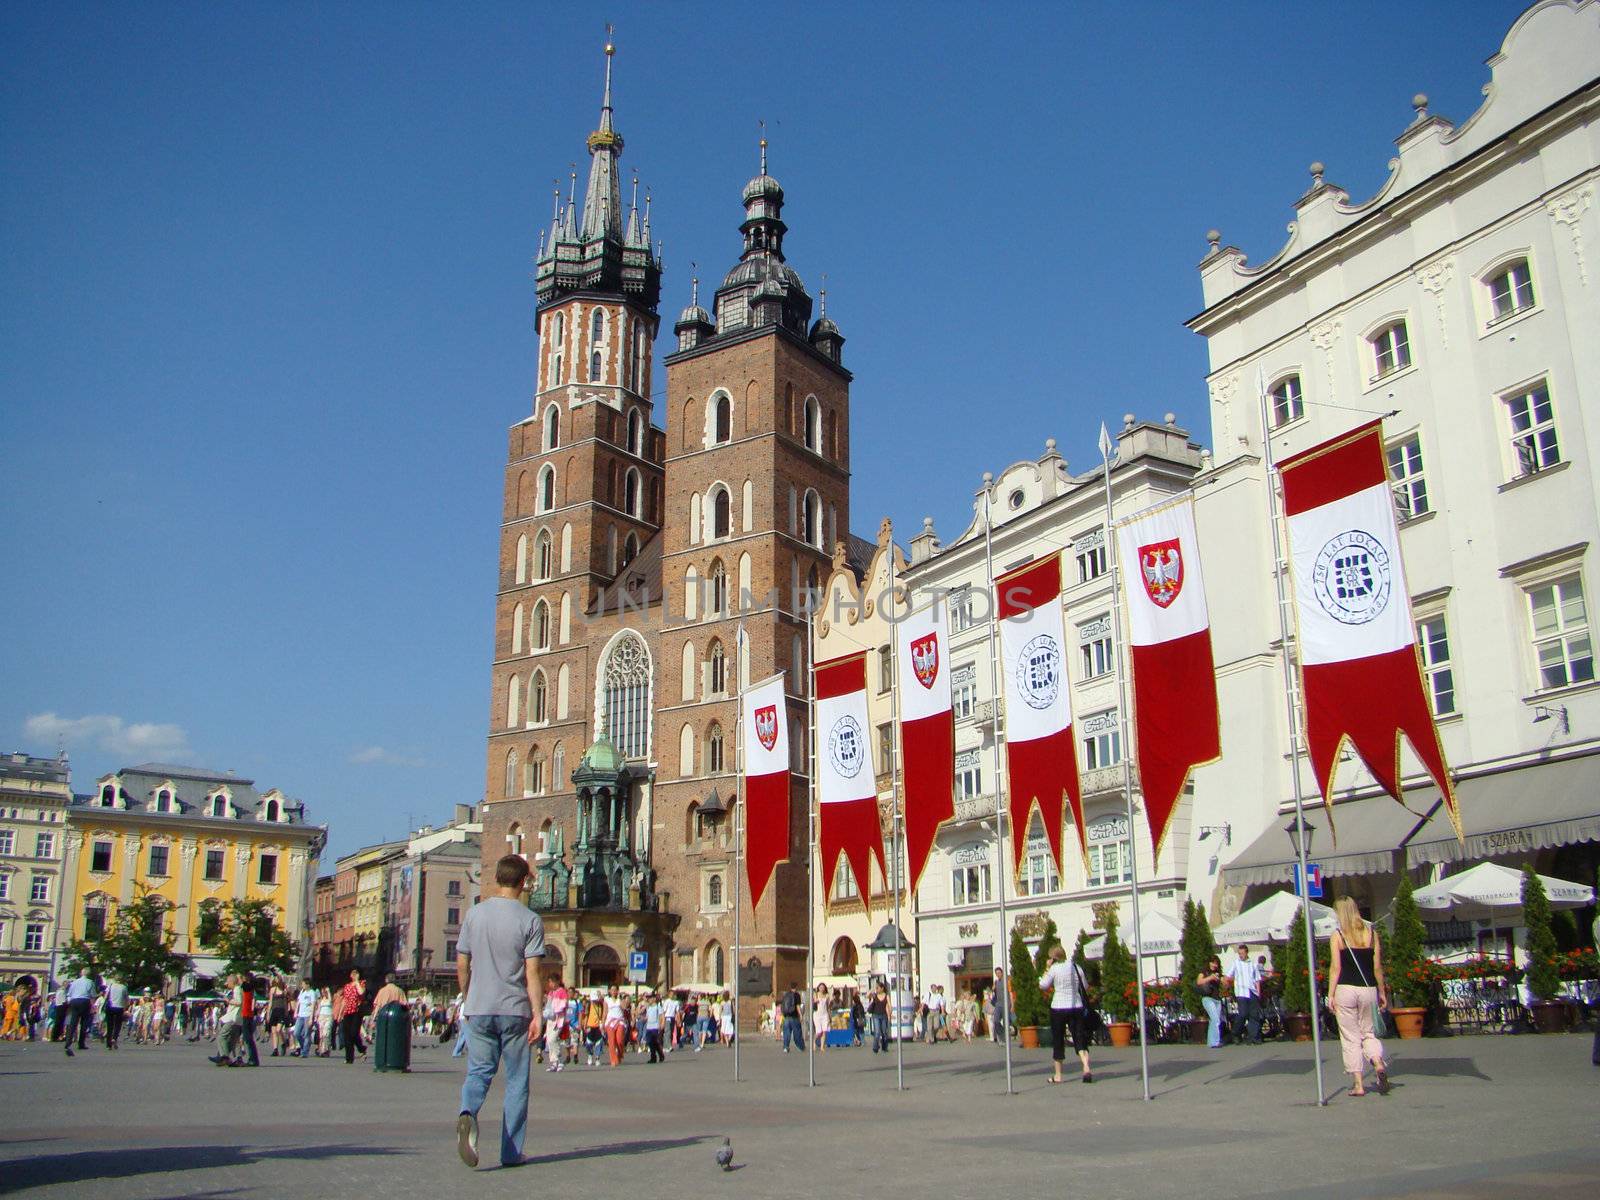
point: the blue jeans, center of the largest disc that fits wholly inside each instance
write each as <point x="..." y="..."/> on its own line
<point x="302" y="1035"/>
<point x="880" y="1032"/>
<point x="491" y="1040"/>
<point x="247" y="1027"/>
<point x="791" y="1028"/>
<point x="1248" y="1022"/>
<point x="1214" y="1013"/>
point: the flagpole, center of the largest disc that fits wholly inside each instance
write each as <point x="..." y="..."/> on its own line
<point x="1294" y="729"/>
<point x="739" y="672"/>
<point x="808" y="1026"/>
<point x="1003" y="1004"/>
<point x="896" y="821"/>
<point x="1127" y="762"/>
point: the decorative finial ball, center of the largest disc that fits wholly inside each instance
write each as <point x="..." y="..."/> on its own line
<point x="610" y="49"/>
<point x="1419" y="101"/>
<point x="1317" y="169"/>
<point x="1127" y="419"/>
<point x="988" y="478"/>
<point x="1050" y="445"/>
<point x="1170" y="418"/>
<point x="1214" y="236"/>
<point x="927" y="524"/>
<point x="763" y="143"/>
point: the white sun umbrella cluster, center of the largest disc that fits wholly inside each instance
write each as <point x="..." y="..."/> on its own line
<point x="1491" y="890"/>
<point x="1273" y="920"/>
<point x="1161" y="935"/>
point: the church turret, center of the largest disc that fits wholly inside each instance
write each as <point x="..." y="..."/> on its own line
<point x="763" y="289"/>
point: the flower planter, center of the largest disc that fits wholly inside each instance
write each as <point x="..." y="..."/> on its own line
<point x="1298" y="1026"/>
<point x="1408" y="1021"/>
<point x="1549" y="1016"/>
<point x="1028" y="1035"/>
<point x="1199" y="1030"/>
<point x="1121" y="1033"/>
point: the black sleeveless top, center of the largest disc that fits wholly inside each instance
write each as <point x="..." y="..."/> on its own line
<point x="1355" y="966"/>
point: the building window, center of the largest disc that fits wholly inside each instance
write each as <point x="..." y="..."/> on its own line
<point x="8" y="841"/>
<point x="714" y="891"/>
<point x="1288" y="402"/>
<point x="541" y="556"/>
<point x="962" y="611"/>
<point x="547" y="488"/>
<point x="844" y="882"/>
<point x="39" y="889"/>
<point x="1391" y="349"/>
<point x="718" y="669"/>
<point x="885" y="669"/>
<point x="214" y="860"/>
<point x="1405" y="470"/>
<point x="1110" y="854"/>
<point x="1561" y="633"/>
<point x="535" y="781"/>
<point x="1090" y="553"/>
<point x="538" y="700"/>
<point x="158" y="859"/>
<point x="625" y="684"/>
<point x="33" y="938"/>
<point x="1511" y="290"/>
<point x="969" y="774"/>
<point x="964" y="691"/>
<point x="885" y="748"/>
<point x="811" y="519"/>
<point x="813" y="415"/>
<point x="541" y="626"/>
<point x="969" y="884"/>
<point x="1533" y="430"/>
<point x="44" y="845"/>
<point x="450" y="951"/>
<point x="631" y="492"/>
<point x="452" y="916"/>
<point x="1039" y="876"/>
<point x="108" y="796"/>
<point x="1094" y="647"/>
<point x="163" y="801"/>
<point x="718" y="604"/>
<point x="453" y="888"/>
<point x="714" y="749"/>
<point x="1433" y="643"/>
<point x="94" y="923"/>
<point x="721" y="513"/>
<point x="1102" y="740"/>
<point x="219" y="806"/>
<point x="268" y="872"/>
<point x="552" y="426"/>
<point x="722" y="423"/>
<point x="5" y="888"/>
<point x="274" y="811"/>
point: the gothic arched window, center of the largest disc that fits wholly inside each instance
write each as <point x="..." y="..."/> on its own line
<point x="511" y="781"/>
<point x="552" y="427"/>
<point x="719" y="669"/>
<point x="547" y="488"/>
<point x="813" y="425"/>
<point x="625" y="693"/>
<point x="721" y="513"/>
<point x="630" y="549"/>
<point x="636" y="433"/>
<point x="717" y="601"/>
<point x="541" y="626"/>
<point x="631" y="492"/>
<point x="714" y="894"/>
<point x="597" y="326"/>
<point x="811" y="520"/>
<point x="541" y="556"/>
<point x="538" y="699"/>
<point x="724" y="421"/>
<point x="714" y="749"/>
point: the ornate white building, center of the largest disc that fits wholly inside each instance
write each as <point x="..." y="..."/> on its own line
<point x="1462" y="301"/>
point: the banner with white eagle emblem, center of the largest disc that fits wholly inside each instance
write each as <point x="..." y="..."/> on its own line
<point x="927" y="732"/>
<point x="764" y="750"/>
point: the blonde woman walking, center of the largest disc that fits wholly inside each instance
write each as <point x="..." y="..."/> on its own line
<point x="1356" y="983"/>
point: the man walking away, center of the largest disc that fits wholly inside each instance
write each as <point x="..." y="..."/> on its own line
<point x="116" y="1008"/>
<point x="790" y="1006"/>
<point x="497" y="966"/>
<point x="1246" y="978"/>
<point x="652" y="1028"/>
<point x="247" y="1020"/>
<point x="228" y="1025"/>
<point x="80" y="995"/>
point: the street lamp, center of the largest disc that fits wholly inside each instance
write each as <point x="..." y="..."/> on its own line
<point x="1293" y="830"/>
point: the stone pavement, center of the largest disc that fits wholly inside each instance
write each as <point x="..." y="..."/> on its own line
<point x="1493" y="1116"/>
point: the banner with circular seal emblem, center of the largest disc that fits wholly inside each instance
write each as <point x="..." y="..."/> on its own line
<point x="847" y="785"/>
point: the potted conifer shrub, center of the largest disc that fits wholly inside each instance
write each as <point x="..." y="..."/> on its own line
<point x="1297" y="982"/>
<point x="1116" y="980"/>
<point x="1406" y="967"/>
<point x="1544" y="972"/>
<point x="1198" y="948"/>
<point x="1027" y="1000"/>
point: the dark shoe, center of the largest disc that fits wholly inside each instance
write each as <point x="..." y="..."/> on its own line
<point x="69" y="1051"/>
<point x="1088" y="1077"/>
<point x="1383" y="1081"/>
<point x="467" y="1138"/>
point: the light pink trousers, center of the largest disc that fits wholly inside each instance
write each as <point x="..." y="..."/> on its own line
<point x="1353" y="1007"/>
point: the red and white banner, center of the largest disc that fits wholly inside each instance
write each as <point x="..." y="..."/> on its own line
<point x="1175" y="724"/>
<point x="764" y="746"/>
<point x="847" y="789"/>
<point x="927" y="732"/>
<point x="1041" y="760"/>
<point x="1358" y="651"/>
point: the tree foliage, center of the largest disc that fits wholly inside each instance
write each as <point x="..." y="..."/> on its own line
<point x="1296" y="980"/>
<point x="1029" y="1002"/>
<point x="247" y="937"/>
<point x="137" y="947"/>
<point x="1544" y="973"/>
<point x="1404" y="965"/>
<point x="1117" y="975"/>
<point x="1197" y="949"/>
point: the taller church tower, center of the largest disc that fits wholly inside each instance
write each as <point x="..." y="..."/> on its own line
<point x="758" y="469"/>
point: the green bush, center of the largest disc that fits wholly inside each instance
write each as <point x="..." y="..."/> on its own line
<point x="1198" y="948"/>
<point x="1117" y="976"/>
<point x="1030" y="1003"/>
<point x="1296" y="981"/>
<point x="1049" y="939"/>
<point x="1544" y="974"/>
<point x="1405" y="966"/>
<point x="1091" y="970"/>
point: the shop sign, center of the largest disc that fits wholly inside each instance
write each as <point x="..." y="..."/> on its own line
<point x="1031" y="925"/>
<point x="1107" y="829"/>
<point x="1104" y="722"/>
<point x="1093" y="631"/>
<point x="971" y="854"/>
<point x="969" y="930"/>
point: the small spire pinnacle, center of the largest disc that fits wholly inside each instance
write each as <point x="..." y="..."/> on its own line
<point x="822" y="295"/>
<point x="694" y="283"/>
<point x="763" y="125"/>
<point x="610" y="50"/>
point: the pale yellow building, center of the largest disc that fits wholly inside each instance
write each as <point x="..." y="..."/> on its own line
<point x="34" y="796"/>
<point x="189" y="835"/>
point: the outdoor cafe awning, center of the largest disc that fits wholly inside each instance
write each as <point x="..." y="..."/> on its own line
<point x="1503" y="813"/>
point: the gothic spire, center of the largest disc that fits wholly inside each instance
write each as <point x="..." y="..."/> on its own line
<point x="602" y="205"/>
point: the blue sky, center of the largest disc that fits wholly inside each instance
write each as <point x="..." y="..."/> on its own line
<point x="268" y="295"/>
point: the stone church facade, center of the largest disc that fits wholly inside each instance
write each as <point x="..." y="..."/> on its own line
<point x="634" y="547"/>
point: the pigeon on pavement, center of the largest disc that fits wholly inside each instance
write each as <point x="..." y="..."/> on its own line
<point x="725" y="1154"/>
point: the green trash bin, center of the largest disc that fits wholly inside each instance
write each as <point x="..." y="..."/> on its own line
<point x="391" y="1039"/>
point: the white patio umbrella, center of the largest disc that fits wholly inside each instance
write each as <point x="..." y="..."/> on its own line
<point x="1161" y="936"/>
<point x="1273" y="920"/>
<point x="1491" y="890"/>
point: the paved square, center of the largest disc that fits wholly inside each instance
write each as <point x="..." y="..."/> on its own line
<point x="1469" y="1117"/>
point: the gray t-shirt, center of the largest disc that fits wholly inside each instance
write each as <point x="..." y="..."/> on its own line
<point x="499" y="935"/>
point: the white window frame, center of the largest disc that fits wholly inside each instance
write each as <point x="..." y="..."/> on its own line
<point x="1536" y="446"/>
<point x="39" y="889"/>
<point x="964" y="691"/>
<point x="969" y="773"/>
<point x="44" y="845"/>
<point x="845" y="886"/>
<point x="33" y="938"/>
<point x="1089" y="552"/>
<point x="8" y="841"/>
<point x="1567" y="637"/>
<point x="1438" y="666"/>
<point x="1122" y="864"/>
<point x="1391" y="354"/>
<point x="1408" y="477"/>
<point x="1096" y="651"/>
<point x="971" y="884"/>
<point x="1103" y="747"/>
<point x="1521" y="293"/>
<point x="1288" y="397"/>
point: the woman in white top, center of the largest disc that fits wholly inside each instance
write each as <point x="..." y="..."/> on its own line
<point x="1068" y="991"/>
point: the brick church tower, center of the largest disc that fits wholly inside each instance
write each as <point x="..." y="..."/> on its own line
<point x="629" y="558"/>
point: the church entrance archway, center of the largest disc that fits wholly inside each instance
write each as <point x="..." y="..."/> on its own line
<point x="601" y="967"/>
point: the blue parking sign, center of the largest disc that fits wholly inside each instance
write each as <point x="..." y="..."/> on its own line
<point x="638" y="965"/>
<point x="1313" y="879"/>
